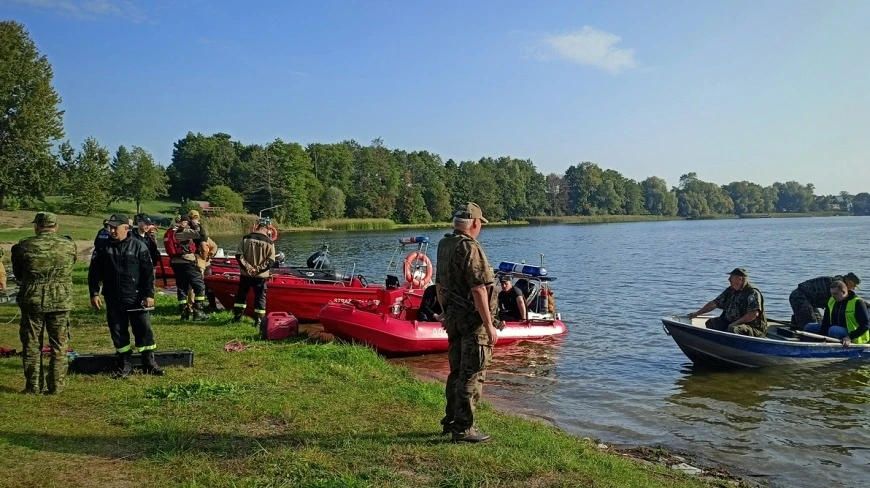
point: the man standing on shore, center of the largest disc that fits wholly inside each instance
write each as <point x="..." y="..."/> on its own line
<point x="43" y="264"/>
<point x="256" y="255"/>
<point x="464" y="284"/>
<point x="122" y="269"/>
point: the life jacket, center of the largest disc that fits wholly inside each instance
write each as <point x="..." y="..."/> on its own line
<point x="174" y="248"/>
<point x="851" y="321"/>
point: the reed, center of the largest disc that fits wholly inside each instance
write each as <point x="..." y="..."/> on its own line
<point x="597" y="219"/>
<point x="357" y="224"/>
<point x="229" y="223"/>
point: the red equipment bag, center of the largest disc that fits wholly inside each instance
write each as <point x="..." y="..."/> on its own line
<point x="281" y="325"/>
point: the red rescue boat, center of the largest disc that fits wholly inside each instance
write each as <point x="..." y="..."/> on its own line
<point x="302" y="296"/>
<point x="390" y="324"/>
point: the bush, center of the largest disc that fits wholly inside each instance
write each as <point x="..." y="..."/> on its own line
<point x="224" y="196"/>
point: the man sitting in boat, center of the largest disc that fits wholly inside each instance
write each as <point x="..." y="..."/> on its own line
<point x="511" y="302"/>
<point x="430" y="309"/>
<point x="742" y="307"/>
<point x="846" y="317"/>
<point x="811" y="295"/>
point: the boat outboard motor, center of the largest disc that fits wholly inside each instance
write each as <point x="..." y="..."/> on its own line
<point x="392" y="282"/>
<point x="318" y="260"/>
<point x="279" y="260"/>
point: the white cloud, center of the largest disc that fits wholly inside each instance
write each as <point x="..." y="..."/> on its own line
<point x="88" y="9"/>
<point x="589" y="47"/>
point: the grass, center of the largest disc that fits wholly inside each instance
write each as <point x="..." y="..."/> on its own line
<point x="295" y="413"/>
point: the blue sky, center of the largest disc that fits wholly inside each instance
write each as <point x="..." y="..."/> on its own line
<point x="758" y="90"/>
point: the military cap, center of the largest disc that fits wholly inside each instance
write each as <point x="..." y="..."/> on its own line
<point x="470" y="211"/>
<point x="739" y="272"/>
<point x="118" y="219"/>
<point x="45" y="219"/>
<point x="853" y="278"/>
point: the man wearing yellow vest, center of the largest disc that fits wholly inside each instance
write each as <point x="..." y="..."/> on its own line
<point x="846" y="317"/>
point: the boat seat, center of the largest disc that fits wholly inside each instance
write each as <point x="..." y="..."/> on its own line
<point x="530" y="290"/>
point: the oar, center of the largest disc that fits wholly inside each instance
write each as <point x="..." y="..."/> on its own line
<point x="815" y="336"/>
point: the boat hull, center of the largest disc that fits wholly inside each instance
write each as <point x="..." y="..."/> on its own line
<point x="713" y="348"/>
<point x="396" y="336"/>
<point x="284" y="293"/>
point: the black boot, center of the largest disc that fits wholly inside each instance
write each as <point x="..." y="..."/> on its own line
<point x="149" y="364"/>
<point x="185" y="312"/>
<point x="125" y="364"/>
<point x="260" y="323"/>
<point x="198" y="314"/>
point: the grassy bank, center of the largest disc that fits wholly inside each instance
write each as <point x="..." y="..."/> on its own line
<point x="294" y="413"/>
<point x="597" y="219"/>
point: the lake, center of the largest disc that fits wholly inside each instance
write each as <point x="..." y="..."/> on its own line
<point x="617" y="376"/>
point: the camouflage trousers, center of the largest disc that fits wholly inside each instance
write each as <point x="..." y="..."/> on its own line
<point x="719" y="323"/>
<point x="803" y="310"/>
<point x="468" y="355"/>
<point x="56" y="327"/>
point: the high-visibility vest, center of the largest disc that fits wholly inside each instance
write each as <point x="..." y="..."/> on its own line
<point x="851" y="322"/>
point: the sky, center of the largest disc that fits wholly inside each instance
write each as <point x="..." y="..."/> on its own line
<point x="762" y="91"/>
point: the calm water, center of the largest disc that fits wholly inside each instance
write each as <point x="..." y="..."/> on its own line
<point x="618" y="376"/>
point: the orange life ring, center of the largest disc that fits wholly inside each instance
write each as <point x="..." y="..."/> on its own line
<point x="273" y="232"/>
<point x="410" y="266"/>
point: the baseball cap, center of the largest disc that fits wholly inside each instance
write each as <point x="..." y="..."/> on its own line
<point x="739" y="272"/>
<point x="470" y="211"/>
<point x="45" y="219"/>
<point x="117" y="219"/>
<point x="146" y="220"/>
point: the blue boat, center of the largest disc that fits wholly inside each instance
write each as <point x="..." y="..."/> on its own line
<point x="708" y="347"/>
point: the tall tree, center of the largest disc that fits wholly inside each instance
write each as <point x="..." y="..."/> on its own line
<point x="30" y="118"/>
<point x="86" y="177"/>
<point x="199" y="162"/>
<point x="332" y="203"/>
<point x="657" y="199"/>
<point x="861" y="204"/>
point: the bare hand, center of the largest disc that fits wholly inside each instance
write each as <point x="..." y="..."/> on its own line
<point x="251" y="270"/>
<point x="96" y="302"/>
<point x="692" y="315"/>
<point x="148" y="302"/>
<point x="492" y="332"/>
<point x="846" y="341"/>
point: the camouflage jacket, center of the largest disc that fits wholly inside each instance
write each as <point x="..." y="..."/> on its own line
<point x="43" y="264"/>
<point x="818" y="290"/>
<point x="737" y="303"/>
<point x="461" y="266"/>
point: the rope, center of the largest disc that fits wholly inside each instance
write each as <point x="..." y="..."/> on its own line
<point x="17" y="314"/>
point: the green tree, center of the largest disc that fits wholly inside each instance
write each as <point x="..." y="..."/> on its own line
<point x="376" y="182"/>
<point x="747" y="197"/>
<point x="657" y="199"/>
<point x="861" y="204"/>
<point x="224" y="196"/>
<point x="30" y="118"/>
<point x="793" y="197"/>
<point x="557" y="194"/>
<point x="633" y="198"/>
<point x="332" y="203"/>
<point x="136" y="177"/>
<point x="697" y="198"/>
<point x="86" y="177"/>
<point x="333" y="164"/>
<point x="199" y="162"/>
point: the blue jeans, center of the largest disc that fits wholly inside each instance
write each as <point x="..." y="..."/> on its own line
<point x="835" y="331"/>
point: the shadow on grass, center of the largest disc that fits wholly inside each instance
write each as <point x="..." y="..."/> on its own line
<point x="172" y="442"/>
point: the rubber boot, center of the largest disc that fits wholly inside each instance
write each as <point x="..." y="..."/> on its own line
<point x="260" y="323"/>
<point x="185" y="312"/>
<point x="237" y="314"/>
<point x="125" y="364"/>
<point x="198" y="314"/>
<point x="149" y="364"/>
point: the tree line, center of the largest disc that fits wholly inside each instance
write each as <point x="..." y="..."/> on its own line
<point x="334" y="180"/>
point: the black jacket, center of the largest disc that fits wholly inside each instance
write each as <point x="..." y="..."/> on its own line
<point x="124" y="269"/>
<point x="150" y="243"/>
<point x="839" y="317"/>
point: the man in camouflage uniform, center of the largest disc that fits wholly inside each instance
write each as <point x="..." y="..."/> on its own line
<point x="43" y="267"/>
<point x="742" y="307"/>
<point x="814" y="294"/>
<point x="464" y="284"/>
